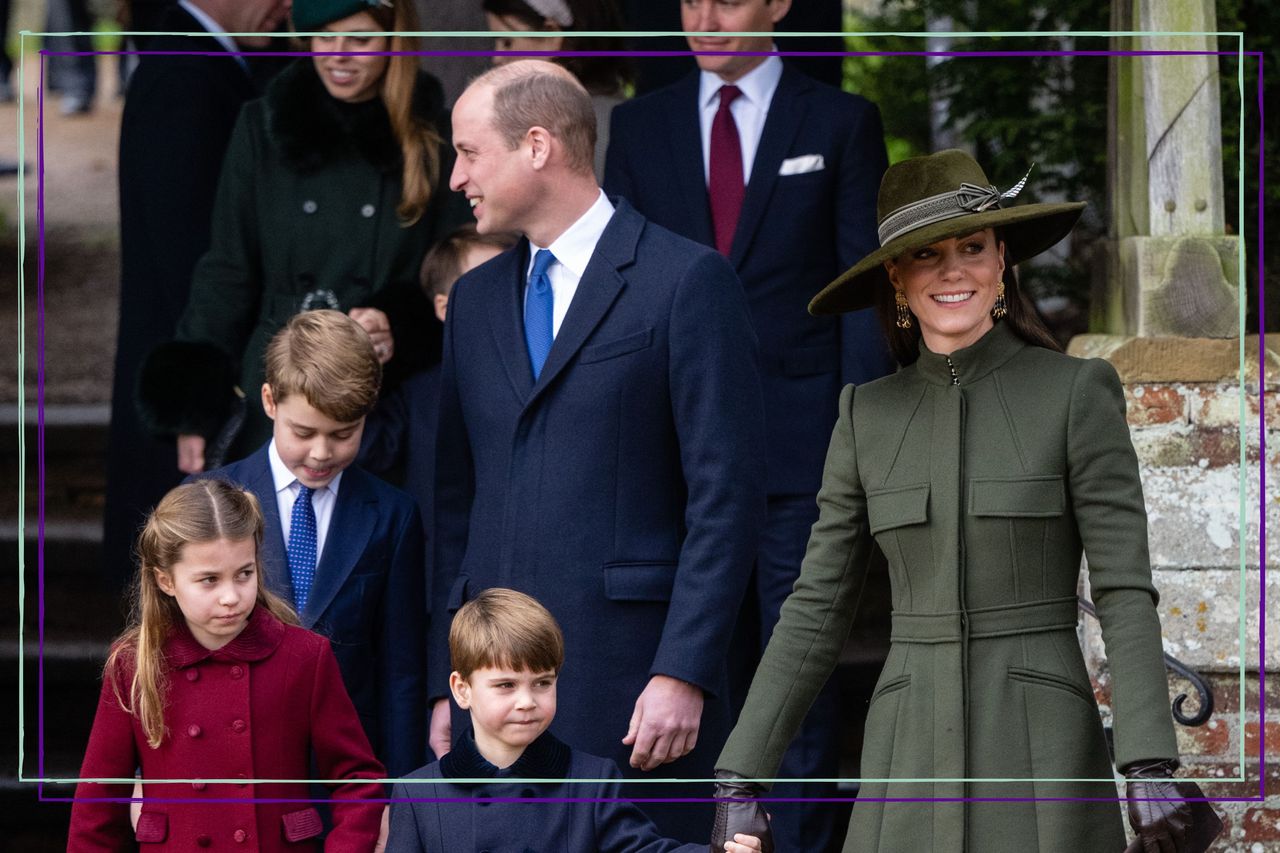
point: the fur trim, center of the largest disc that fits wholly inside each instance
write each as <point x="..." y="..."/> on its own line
<point x="186" y="387"/>
<point x="314" y="129"/>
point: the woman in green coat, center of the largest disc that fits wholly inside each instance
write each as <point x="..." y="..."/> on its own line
<point x="333" y="188"/>
<point x="981" y="469"/>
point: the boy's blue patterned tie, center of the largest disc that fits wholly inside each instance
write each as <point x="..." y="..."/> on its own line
<point x="302" y="547"/>
<point x="539" y="306"/>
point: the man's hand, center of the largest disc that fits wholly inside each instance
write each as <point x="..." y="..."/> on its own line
<point x="378" y="326"/>
<point x="191" y="454"/>
<point x="440" y="737"/>
<point x="664" y="725"/>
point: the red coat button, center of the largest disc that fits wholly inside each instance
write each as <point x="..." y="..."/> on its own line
<point x="239" y="726"/>
<point x="199" y="786"/>
<point x="242" y="784"/>
<point x="193" y="675"/>
<point x="240" y="835"/>
<point x="237" y="671"/>
<point x="193" y="730"/>
<point x="203" y="840"/>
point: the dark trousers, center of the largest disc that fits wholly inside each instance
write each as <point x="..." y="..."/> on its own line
<point x="814" y="754"/>
<point x="70" y="75"/>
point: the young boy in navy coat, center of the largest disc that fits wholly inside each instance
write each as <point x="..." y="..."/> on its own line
<point x="507" y="650"/>
<point x="342" y="546"/>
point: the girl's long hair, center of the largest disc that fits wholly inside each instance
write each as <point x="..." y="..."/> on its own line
<point x="420" y="142"/>
<point x="1022" y="318"/>
<point x="193" y="513"/>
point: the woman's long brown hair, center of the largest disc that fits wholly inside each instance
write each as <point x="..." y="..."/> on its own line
<point x="420" y="142"/>
<point x="193" y="513"/>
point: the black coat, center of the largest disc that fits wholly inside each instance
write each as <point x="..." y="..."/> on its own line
<point x="178" y="114"/>
<point x="305" y="217"/>
<point x="491" y="824"/>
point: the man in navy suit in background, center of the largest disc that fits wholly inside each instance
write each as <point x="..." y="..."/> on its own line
<point x="779" y="173"/>
<point x="600" y="440"/>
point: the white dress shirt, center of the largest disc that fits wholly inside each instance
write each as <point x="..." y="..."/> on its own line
<point x="572" y="250"/>
<point x="218" y="33"/>
<point x="287" y="486"/>
<point x="749" y="110"/>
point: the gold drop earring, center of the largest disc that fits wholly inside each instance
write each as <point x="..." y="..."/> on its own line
<point x="1000" y="309"/>
<point x="904" y="314"/>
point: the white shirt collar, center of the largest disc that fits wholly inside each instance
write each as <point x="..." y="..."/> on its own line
<point x="213" y="28"/>
<point x="282" y="478"/>
<point x="757" y="85"/>
<point x="574" y="247"/>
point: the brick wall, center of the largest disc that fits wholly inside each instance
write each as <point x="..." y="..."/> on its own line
<point x="1184" y="410"/>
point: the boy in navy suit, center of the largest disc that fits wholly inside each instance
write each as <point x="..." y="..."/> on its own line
<point x="344" y="547"/>
<point x="507" y="650"/>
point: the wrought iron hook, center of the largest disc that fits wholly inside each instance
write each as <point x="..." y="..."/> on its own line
<point x="1204" y="693"/>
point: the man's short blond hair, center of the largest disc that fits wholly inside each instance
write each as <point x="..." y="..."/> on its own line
<point x="533" y="93"/>
<point x="326" y="357"/>
<point x="502" y="628"/>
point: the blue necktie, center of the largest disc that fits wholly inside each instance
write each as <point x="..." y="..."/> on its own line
<point x="539" y="306"/>
<point x="302" y="547"/>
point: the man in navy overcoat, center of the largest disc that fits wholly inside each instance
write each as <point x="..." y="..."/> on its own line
<point x="600" y="439"/>
<point x="807" y="159"/>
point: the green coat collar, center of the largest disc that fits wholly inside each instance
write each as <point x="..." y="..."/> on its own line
<point x="973" y="362"/>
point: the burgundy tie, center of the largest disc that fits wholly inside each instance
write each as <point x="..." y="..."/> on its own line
<point x="726" y="187"/>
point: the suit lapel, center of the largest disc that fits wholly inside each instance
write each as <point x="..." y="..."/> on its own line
<point x="685" y="168"/>
<point x="600" y="285"/>
<point x="506" y="315"/>
<point x="786" y="113"/>
<point x="354" y="517"/>
<point x="274" y="554"/>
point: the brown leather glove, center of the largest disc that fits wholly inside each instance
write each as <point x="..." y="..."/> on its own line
<point x="1158" y="813"/>
<point x="739" y="810"/>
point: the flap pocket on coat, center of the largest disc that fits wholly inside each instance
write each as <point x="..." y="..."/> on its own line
<point x="301" y="825"/>
<point x="891" y="686"/>
<point x="897" y="507"/>
<point x="458" y="595"/>
<point x="152" y="828"/>
<point x="809" y="361"/>
<point x="613" y="349"/>
<point x="1053" y="682"/>
<point x="1018" y="497"/>
<point x="639" y="581"/>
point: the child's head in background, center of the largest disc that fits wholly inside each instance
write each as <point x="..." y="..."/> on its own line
<point x="506" y="650"/>
<point x="459" y="253"/>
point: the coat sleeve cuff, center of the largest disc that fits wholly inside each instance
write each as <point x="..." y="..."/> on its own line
<point x="186" y="387"/>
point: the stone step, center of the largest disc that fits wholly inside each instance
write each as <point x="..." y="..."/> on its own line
<point x="75" y="442"/>
<point x="77" y="602"/>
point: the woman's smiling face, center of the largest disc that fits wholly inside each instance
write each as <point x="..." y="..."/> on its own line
<point x="950" y="287"/>
<point x="351" y="78"/>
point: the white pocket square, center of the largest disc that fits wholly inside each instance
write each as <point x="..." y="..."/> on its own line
<point x="802" y="164"/>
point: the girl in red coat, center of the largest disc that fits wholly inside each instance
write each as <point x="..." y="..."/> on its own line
<point x="213" y="681"/>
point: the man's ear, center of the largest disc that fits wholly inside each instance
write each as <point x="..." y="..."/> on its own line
<point x="539" y="141"/>
<point x="268" y="401"/>
<point x="778" y="9"/>
<point x="460" y="689"/>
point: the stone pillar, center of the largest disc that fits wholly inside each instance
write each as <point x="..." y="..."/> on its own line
<point x="1167" y="297"/>
<point x="1170" y="269"/>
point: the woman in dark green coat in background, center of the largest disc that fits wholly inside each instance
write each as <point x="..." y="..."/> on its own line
<point x="333" y="188"/>
<point x="981" y="469"/>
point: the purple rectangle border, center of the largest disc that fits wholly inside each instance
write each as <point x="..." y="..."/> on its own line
<point x="1262" y="521"/>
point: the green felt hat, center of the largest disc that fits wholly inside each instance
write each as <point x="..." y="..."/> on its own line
<point x="311" y="15"/>
<point x="926" y="199"/>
